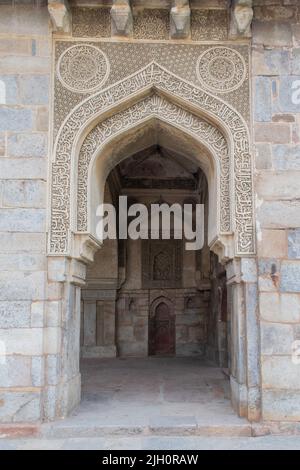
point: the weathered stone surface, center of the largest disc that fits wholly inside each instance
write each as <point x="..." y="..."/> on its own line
<point x="53" y="364"/>
<point x="23" y="21"/>
<point x="252" y="328"/>
<point x="272" y="243"/>
<point x="27" y="145"/>
<point x="53" y="313"/>
<point x="20" y="242"/>
<point x="279" y="186"/>
<point x="290" y="276"/>
<point x="24" y="64"/>
<point x="23" y="341"/>
<point x="24" y="286"/>
<point x="270" y="61"/>
<point x="279" y="214"/>
<point x="24" y="193"/>
<point x="23" y="262"/>
<point x="276" y="338"/>
<point x="269" y="13"/>
<point x="263" y="160"/>
<point x="280" y="372"/>
<point x="37" y="371"/>
<point x="15" y="46"/>
<point x="2" y="144"/>
<point x="34" y="89"/>
<point x="286" y="157"/>
<point x="11" y="88"/>
<point x="52" y="340"/>
<point x="272" y="34"/>
<point x="38" y="314"/>
<point x="281" y="405"/>
<point x="248" y="269"/>
<point x="19" y="406"/>
<point x="263" y="106"/>
<point x="17" y="119"/>
<point x="294" y="244"/>
<point x="15" y="372"/>
<point x="14" y="314"/>
<point x="296" y="61"/>
<point x="42" y="119"/>
<point x="288" y="95"/>
<point x="283" y="118"/>
<point x="281" y="308"/>
<point x="273" y="132"/>
<point x="22" y="168"/>
<point x="22" y="220"/>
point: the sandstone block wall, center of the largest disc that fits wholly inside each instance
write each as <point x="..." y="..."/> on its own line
<point x="25" y="60"/>
<point x="276" y="114"/>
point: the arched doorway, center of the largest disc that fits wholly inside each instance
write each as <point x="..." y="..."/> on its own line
<point x="93" y="141"/>
<point x="162" y="340"/>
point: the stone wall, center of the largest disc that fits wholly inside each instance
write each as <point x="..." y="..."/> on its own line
<point x="27" y="325"/>
<point x="276" y="94"/>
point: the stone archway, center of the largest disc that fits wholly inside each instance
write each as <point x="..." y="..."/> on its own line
<point x="124" y="94"/>
<point x="80" y="165"/>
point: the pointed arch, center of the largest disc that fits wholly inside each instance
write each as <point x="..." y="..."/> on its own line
<point x="127" y="92"/>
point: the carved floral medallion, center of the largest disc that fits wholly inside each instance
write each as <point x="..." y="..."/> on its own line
<point x="83" y="68"/>
<point x="221" y="69"/>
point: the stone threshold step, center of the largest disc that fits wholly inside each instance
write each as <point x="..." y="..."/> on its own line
<point x="70" y="431"/>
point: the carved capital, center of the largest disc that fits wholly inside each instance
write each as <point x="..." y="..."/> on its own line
<point x="223" y="247"/>
<point x="85" y="247"/>
<point x="60" y="15"/>
<point x="241" y="18"/>
<point x="121" y="18"/>
<point x="180" y="19"/>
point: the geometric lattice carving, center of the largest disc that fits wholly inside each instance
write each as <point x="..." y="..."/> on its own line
<point x="161" y="263"/>
<point x="221" y="69"/>
<point x="157" y="77"/>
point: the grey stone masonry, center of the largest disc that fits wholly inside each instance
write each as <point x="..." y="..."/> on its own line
<point x="25" y="45"/>
<point x="276" y="91"/>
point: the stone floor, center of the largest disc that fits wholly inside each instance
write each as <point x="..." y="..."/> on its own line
<point x="180" y="396"/>
<point x="152" y="403"/>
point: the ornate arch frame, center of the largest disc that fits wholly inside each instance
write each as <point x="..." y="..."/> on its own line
<point x="193" y="109"/>
<point x="71" y="245"/>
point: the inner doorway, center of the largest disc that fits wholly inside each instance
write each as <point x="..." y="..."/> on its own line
<point x="162" y="330"/>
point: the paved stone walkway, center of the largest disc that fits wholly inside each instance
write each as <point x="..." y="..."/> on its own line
<point x="155" y="443"/>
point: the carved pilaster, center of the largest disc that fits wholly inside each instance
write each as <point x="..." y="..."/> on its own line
<point x="240" y="19"/>
<point x="180" y="19"/>
<point x="60" y="14"/>
<point x="121" y="18"/>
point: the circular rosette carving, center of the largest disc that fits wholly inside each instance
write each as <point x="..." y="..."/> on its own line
<point x="221" y="69"/>
<point x="83" y="68"/>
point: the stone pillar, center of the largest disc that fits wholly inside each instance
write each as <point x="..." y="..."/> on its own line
<point x="62" y="387"/>
<point x="244" y="337"/>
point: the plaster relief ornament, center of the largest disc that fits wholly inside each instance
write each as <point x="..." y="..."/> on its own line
<point x="83" y="68"/>
<point x="221" y="69"/>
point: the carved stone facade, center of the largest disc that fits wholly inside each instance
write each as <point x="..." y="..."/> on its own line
<point x="206" y="95"/>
